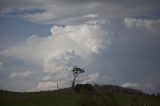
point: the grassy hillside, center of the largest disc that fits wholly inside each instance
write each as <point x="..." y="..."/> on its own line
<point x="68" y="97"/>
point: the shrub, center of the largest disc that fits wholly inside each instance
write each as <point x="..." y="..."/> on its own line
<point x="84" y="89"/>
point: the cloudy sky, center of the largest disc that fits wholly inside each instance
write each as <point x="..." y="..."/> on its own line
<point x="115" y="41"/>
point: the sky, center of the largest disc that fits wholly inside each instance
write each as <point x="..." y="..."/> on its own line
<point x="115" y="41"/>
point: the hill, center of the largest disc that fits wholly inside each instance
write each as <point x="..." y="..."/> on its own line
<point x="82" y="95"/>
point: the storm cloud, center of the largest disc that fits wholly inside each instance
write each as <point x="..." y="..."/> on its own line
<point x="116" y="42"/>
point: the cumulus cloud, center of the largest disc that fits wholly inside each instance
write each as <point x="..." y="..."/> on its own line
<point x="43" y="86"/>
<point x="91" y="77"/>
<point x="66" y="46"/>
<point x="143" y="23"/>
<point x="78" y="35"/>
<point x="81" y="40"/>
<point x="47" y="85"/>
<point x="64" y="80"/>
<point x="21" y="75"/>
<point x="52" y="85"/>
<point x="62" y="62"/>
<point x="47" y="78"/>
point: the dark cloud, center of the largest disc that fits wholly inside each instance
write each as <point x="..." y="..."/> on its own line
<point x="17" y="12"/>
<point x="107" y="8"/>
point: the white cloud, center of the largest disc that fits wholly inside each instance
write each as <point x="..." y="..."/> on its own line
<point x="50" y="17"/>
<point x="47" y="85"/>
<point x="52" y="85"/>
<point x="44" y="17"/>
<point x="80" y="40"/>
<point x="96" y="22"/>
<point x="90" y="16"/>
<point x="22" y="75"/>
<point x="58" y="53"/>
<point x="80" y="19"/>
<point x="143" y="23"/>
<point x="58" y="15"/>
<point x="130" y="84"/>
<point x="47" y="78"/>
<point x="148" y="87"/>
<point x="1" y="65"/>
<point x="91" y="77"/>
<point x="62" y="62"/>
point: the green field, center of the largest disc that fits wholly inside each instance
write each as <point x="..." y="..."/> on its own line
<point x="57" y="98"/>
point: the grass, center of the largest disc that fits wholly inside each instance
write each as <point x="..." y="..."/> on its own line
<point x="37" y="99"/>
<point x="51" y="98"/>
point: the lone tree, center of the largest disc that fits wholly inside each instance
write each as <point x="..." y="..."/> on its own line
<point x="76" y="71"/>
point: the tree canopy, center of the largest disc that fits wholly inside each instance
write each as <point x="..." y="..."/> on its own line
<point x="76" y="71"/>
